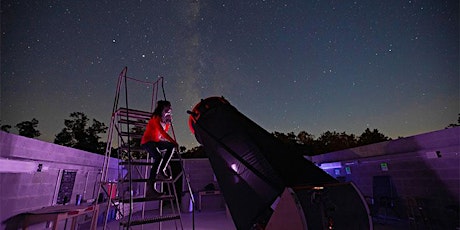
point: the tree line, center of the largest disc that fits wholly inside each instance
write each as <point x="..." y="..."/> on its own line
<point x="306" y="144"/>
<point x="81" y="133"/>
<point x="78" y="132"/>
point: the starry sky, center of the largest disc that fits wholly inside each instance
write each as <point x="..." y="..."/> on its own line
<point x="290" y="66"/>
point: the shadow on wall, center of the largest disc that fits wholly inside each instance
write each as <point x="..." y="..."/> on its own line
<point x="414" y="179"/>
<point x="429" y="180"/>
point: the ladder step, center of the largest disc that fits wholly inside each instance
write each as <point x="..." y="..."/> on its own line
<point x="134" y="123"/>
<point x="144" y="199"/>
<point x="133" y="180"/>
<point x="140" y="180"/>
<point x="133" y="113"/>
<point x="135" y="163"/>
<point x="131" y="134"/>
<point x="156" y="219"/>
<point x="132" y="149"/>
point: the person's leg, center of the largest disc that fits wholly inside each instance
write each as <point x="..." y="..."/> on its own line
<point x="150" y="147"/>
<point x="166" y="158"/>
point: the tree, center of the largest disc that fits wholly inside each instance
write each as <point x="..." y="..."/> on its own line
<point x="368" y="137"/>
<point x="80" y="135"/>
<point x="334" y="141"/>
<point x="195" y="152"/>
<point x="289" y="138"/>
<point x="305" y="138"/>
<point x="5" y="128"/>
<point x="302" y="143"/>
<point x="28" y="128"/>
<point x="454" y="125"/>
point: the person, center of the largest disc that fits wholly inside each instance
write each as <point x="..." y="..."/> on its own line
<point x="156" y="138"/>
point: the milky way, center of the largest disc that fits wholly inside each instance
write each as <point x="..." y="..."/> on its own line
<point x="290" y="66"/>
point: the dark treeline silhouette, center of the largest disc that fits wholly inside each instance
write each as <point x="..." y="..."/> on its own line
<point x="25" y="128"/>
<point x="330" y="141"/>
<point x="306" y="144"/>
<point x="454" y="125"/>
<point x="80" y="134"/>
<point x="28" y="128"/>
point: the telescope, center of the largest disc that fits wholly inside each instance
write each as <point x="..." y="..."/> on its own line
<point x="268" y="184"/>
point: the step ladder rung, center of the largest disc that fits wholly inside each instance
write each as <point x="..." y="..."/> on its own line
<point x="136" y="123"/>
<point x="140" y="180"/>
<point x="136" y="163"/>
<point x="144" y="199"/>
<point x="137" y="149"/>
<point x="132" y="113"/>
<point x="131" y="134"/>
<point x="133" y="180"/>
<point x="155" y="219"/>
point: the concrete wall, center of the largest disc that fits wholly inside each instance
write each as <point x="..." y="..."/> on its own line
<point x="25" y="188"/>
<point x="424" y="168"/>
<point x="201" y="174"/>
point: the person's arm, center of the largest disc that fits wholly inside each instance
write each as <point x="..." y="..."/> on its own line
<point x="164" y="133"/>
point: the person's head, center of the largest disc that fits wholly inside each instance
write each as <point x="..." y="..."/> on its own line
<point x="163" y="110"/>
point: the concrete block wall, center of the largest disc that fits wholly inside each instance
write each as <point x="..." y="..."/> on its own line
<point x="423" y="167"/>
<point x="200" y="174"/>
<point x="26" y="191"/>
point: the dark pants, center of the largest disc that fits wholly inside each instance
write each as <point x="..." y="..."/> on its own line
<point x="159" y="162"/>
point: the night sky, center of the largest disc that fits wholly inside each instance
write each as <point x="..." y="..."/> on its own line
<point x="290" y="66"/>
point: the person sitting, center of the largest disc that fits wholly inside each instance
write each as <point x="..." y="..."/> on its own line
<point x="156" y="138"/>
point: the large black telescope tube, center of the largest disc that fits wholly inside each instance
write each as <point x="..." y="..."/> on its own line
<point x="252" y="167"/>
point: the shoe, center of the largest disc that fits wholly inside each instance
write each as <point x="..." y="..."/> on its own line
<point x="153" y="193"/>
<point x="162" y="177"/>
<point x="166" y="174"/>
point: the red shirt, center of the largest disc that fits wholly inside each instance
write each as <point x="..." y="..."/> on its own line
<point x="155" y="131"/>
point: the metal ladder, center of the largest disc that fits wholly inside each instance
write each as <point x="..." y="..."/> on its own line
<point x="124" y="134"/>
